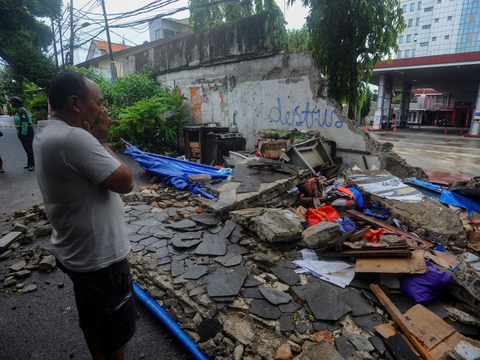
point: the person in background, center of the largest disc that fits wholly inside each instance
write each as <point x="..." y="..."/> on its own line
<point x="80" y="179"/>
<point x="1" y="161"/>
<point x="24" y="125"/>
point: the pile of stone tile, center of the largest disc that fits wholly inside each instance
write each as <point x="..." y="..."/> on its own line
<point x="230" y="281"/>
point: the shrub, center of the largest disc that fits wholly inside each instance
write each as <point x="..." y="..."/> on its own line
<point x="38" y="106"/>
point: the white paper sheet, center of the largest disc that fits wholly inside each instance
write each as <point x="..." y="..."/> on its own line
<point x="338" y="272"/>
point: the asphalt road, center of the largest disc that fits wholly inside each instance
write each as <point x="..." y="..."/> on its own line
<point x="44" y="324"/>
<point x="432" y="149"/>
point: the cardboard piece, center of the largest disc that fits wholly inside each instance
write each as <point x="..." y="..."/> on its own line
<point x="414" y="264"/>
<point x="446" y="260"/>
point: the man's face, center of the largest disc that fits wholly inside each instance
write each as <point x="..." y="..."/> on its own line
<point x="93" y="104"/>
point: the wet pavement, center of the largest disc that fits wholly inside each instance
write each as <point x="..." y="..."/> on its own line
<point x="431" y="149"/>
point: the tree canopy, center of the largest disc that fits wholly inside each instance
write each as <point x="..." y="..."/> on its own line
<point x="24" y="37"/>
<point x="348" y="38"/>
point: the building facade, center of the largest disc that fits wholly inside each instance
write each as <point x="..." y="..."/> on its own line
<point x="439" y="27"/>
<point x="162" y="28"/>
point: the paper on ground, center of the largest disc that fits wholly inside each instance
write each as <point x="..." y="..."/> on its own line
<point x="338" y="272"/>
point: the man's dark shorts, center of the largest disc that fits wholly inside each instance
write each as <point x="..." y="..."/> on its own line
<point x="106" y="302"/>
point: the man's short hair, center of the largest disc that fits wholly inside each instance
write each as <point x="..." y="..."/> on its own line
<point x="65" y="84"/>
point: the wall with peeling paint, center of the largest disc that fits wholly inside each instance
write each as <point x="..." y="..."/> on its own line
<point x="279" y="92"/>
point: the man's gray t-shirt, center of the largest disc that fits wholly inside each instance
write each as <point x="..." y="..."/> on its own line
<point x="87" y="218"/>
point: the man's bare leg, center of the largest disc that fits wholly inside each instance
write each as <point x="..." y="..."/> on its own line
<point x="91" y="339"/>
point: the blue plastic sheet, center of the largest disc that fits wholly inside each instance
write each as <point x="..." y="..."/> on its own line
<point x="425" y="184"/>
<point x="346" y="224"/>
<point x="455" y="199"/>
<point x="173" y="171"/>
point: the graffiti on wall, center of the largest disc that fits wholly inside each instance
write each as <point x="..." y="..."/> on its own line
<point x="304" y="116"/>
<point x="196" y="101"/>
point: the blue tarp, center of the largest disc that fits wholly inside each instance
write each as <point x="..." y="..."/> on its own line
<point x="173" y="171"/>
<point x="425" y="184"/>
<point x="455" y="199"/>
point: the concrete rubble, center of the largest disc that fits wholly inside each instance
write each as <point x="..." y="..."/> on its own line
<point x="229" y="279"/>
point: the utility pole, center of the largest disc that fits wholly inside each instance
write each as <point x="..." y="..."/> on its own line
<point x="54" y="44"/>
<point x="71" y="32"/>
<point x="113" y="69"/>
<point x="61" y="42"/>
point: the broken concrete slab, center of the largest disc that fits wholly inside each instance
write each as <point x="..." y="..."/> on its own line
<point x="319" y="235"/>
<point x="426" y="218"/>
<point x="8" y="239"/>
<point x="276" y="225"/>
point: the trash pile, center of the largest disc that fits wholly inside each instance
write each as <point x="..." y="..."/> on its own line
<point x="286" y="263"/>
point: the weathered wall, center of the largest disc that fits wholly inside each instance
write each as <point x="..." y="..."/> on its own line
<point x="234" y="41"/>
<point x="276" y="92"/>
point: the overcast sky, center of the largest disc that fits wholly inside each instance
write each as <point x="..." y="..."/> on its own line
<point x="295" y="16"/>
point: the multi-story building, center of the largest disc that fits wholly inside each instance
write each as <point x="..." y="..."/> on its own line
<point x="439" y="27"/>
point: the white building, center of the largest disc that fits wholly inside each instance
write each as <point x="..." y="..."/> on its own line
<point x="162" y="28"/>
<point x="439" y="27"/>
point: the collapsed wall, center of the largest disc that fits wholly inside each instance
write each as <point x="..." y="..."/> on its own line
<point x="233" y="73"/>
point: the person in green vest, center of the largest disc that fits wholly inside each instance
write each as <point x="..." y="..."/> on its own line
<point x="24" y="125"/>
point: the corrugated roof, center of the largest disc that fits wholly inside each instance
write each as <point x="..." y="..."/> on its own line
<point x="103" y="45"/>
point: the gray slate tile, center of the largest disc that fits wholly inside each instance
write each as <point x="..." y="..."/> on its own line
<point x="368" y="322"/>
<point x="289" y="307"/>
<point x="160" y="253"/>
<point x="251" y="282"/>
<point x="137" y="248"/>
<point x="195" y="272"/>
<point x="136" y="238"/>
<point x="360" y="342"/>
<point x="212" y="245"/>
<point x="325" y="326"/>
<point x="203" y="260"/>
<point x="264" y="309"/>
<point x="236" y="249"/>
<point x="191" y="235"/>
<point x="181" y="225"/>
<point x="157" y="245"/>
<point x="276" y="297"/>
<point x="179" y="243"/>
<point x="221" y="284"/>
<point x="357" y="303"/>
<point x="324" y="302"/>
<point x="177" y="268"/>
<point x="252" y="293"/>
<point x="287" y="276"/>
<point x="378" y="344"/>
<point x="229" y="260"/>
<point x="287" y="323"/>
<point x="215" y="229"/>
<point x="344" y="347"/>
<point x="227" y="229"/>
<point x="301" y="327"/>
<point x="206" y="219"/>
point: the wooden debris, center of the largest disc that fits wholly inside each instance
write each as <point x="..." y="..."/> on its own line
<point x="400" y="320"/>
<point x="381" y="224"/>
<point x="359" y="234"/>
<point x="399" y="348"/>
<point x="411" y="265"/>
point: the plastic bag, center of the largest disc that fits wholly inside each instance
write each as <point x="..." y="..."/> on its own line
<point x="424" y="288"/>
<point x="346" y="224"/>
<point x="325" y="213"/>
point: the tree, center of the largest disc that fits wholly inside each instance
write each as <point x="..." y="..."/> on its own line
<point x="23" y="38"/>
<point x="297" y="38"/>
<point x="217" y="13"/>
<point x="349" y="37"/>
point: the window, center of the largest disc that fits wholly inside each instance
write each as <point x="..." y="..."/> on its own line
<point x="407" y="53"/>
<point x="417" y="22"/>
<point x="409" y="37"/>
<point x="399" y="56"/>
<point x="419" y="5"/>
<point x="410" y="22"/>
<point x="436" y="20"/>
<point x="439" y="1"/>
<point x="447" y="37"/>
<point x="449" y="18"/>
<point x="469" y="37"/>
<point x="424" y="44"/>
<point x="426" y="26"/>
<point x="400" y="40"/>
<point x="413" y="53"/>
<point x="404" y="8"/>
<point x="158" y="34"/>
<point x="428" y="9"/>
<point x="412" y="6"/>
<point x="434" y="38"/>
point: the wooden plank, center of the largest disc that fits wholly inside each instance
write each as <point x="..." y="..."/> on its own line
<point x="440" y="351"/>
<point x="411" y="265"/>
<point x="367" y="253"/>
<point x="381" y="224"/>
<point x="427" y="326"/>
<point x="359" y="234"/>
<point x="387" y="330"/>
<point x="341" y="239"/>
<point x="400" y="320"/>
<point x="399" y="348"/>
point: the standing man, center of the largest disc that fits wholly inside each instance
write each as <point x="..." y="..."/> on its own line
<point x="25" y="133"/>
<point x="80" y="178"/>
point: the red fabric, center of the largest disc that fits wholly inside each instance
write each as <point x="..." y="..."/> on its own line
<point x="374" y="235"/>
<point x="325" y="213"/>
